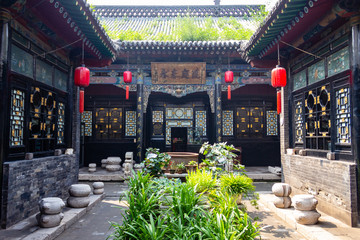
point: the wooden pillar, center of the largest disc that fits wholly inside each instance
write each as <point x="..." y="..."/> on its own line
<point x="355" y="69"/>
<point x="218" y="110"/>
<point x="139" y="120"/>
<point x="5" y="17"/>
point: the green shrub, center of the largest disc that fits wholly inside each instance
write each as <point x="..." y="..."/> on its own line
<point x="201" y="180"/>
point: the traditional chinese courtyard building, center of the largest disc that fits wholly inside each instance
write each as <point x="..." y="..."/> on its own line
<point x="178" y="97"/>
<point x="41" y="44"/>
<point x="319" y="47"/>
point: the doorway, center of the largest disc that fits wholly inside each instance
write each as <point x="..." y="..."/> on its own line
<point x="178" y="139"/>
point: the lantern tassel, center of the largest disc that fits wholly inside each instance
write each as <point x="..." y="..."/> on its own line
<point x="81" y="101"/>
<point x="127" y="92"/>
<point x="229" y="92"/>
<point x="278" y="98"/>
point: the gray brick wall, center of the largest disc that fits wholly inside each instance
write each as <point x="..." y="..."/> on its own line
<point x="27" y="181"/>
<point x="332" y="182"/>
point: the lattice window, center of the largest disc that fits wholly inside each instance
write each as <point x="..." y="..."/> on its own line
<point x="200" y="122"/>
<point x="179" y="113"/>
<point x="271" y="123"/>
<point x="17" y="118"/>
<point x="317" y="118"/>
<point x="158" y="121"/>
<point x="130" y="124"/>
<point x="299" y="122"/>
<point x="61" y="123"/>
<point x="343" y="133"/>
<point x="42" y="123"/>
<point x="86" y="118"/>
<point x="228" y="123"/>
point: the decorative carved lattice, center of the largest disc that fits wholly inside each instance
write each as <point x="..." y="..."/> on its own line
<point x="17" y="118"/>
<point x="200" y="122"/>
<point x="86" y="118"/>
<point x="61" y="123"/>
<point x="271" y="123"/>
<point x="343" y="134"/>
<point x="130" y="124"/>
<point x="299" y="122"/>
<point x="227" y="123"/>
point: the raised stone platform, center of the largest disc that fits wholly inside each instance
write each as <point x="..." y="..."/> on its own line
<point x="28" y="229"/>
<point x="101" y="175"/>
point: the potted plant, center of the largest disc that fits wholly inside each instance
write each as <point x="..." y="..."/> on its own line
<point x="191" y="166"/>
<point x="180" y="168"/>
<point x="237" y="185"/>
<point x="155" y="161"/>
<point x="218" y="154"/>
<point x="172" y="168"/>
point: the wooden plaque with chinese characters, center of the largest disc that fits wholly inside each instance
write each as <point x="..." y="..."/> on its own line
<point x="178" y="73"/>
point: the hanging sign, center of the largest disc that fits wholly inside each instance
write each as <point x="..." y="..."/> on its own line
<point x="178" y="73"/>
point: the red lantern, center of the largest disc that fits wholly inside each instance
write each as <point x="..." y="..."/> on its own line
<point x="278" y="100"/>
<point x="229" y="92"/>
<point x="229" y="76"/>
<point x="82" y="76"/>
<point x="81" y="101"/>
<point x="278" y="77"/>
<point x="127" y="92"/>
<point x="127" y="77"/>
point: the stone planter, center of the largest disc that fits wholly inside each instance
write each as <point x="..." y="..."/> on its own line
<point x="51" y="205"/>
<point x="305" y="202"/>
<point x="306" y="217"/>
<point x="49" y="221"/>
<point x="282" y="202"/>
<point x="281" y="189"/>
<point x="79" y="190"/>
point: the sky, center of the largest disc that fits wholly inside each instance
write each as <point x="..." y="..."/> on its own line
<point x="269" y="3"/>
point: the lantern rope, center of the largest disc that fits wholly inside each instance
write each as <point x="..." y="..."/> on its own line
<point x="301" y="50"/>
<point x="43" y="54"/>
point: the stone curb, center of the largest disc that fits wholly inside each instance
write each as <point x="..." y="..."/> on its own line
<point x="311" y="232"/>
<point x="71" y="215"/>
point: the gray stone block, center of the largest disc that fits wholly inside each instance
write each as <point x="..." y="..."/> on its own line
<point x="49" y="221"/>
<point x="51" y="205"/>
<point x="79" y="190"/>
<point x="78" y="202"/>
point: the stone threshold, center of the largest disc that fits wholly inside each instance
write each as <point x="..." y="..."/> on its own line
<point x="29" y="230"/>
<point x="312" y="232"/>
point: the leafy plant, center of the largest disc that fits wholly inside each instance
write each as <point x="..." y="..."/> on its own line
<point x="217" y="153"/>
<point x="180" y="166"/>
<point x="192" y="163"/>
<point x="239" y="185"/>
<point x="201" y="180"/>
<point x="155" y="161"/>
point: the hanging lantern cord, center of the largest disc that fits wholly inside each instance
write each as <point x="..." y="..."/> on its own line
<point x="82" y="55"/>
<point x="278" y="52"/>
<point x="127" y="62"/>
